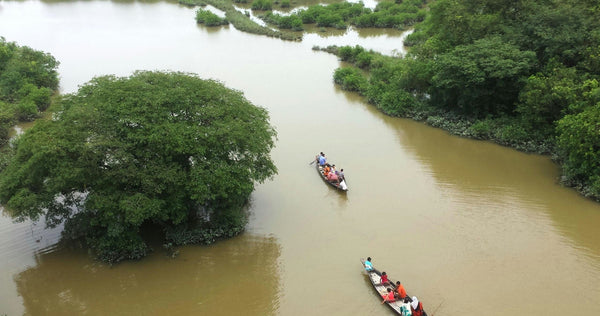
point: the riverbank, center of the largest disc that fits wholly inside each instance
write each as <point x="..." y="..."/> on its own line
<point x="378" y="78"/>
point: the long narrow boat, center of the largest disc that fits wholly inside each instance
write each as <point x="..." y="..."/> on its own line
<point x="335" y="185"/>
<point x="375" y="276"/>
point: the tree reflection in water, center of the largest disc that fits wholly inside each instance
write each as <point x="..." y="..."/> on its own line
<point x="238" y="276"/>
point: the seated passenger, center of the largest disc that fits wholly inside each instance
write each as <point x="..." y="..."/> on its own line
<point x="332" y="177"/>
<point x="383" y="279"/>
<point x="416" y="307"/>
<point x="400" y="290"/>
<point x="389" y="297"/>
<point x="326" y="170"/>
<point x="405" y="307"/>
<point x="368" y="264"/>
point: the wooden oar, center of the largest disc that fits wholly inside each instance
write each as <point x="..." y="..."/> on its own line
<point x="436" y="309"/>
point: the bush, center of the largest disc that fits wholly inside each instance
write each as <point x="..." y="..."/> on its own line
<point x="209" y="18"/>
<point x="351" y="79"/>
<point x="7" y="121"/>
<point x="480" y="129"/>
<point x="39" y="96"/>
<point x="262" y="5"/>
<point x="26" y="110"/>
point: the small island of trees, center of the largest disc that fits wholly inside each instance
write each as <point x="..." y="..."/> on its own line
<point x="168" y="151"/>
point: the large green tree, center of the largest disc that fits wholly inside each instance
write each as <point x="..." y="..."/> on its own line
<point x="481" y="78"/>
<point x="166" y="149"/>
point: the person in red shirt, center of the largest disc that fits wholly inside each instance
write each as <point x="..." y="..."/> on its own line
<point x="400" y="290"/>
<point x="383" y="279"/>
<point x="389" y="297"/>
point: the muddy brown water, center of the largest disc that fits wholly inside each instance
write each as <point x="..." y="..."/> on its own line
<point x="469" y="227"/>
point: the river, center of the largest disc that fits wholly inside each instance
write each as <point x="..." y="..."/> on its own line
<point x="469" y="227"/>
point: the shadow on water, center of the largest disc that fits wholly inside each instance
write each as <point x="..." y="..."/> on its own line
<point x="238" y="276"/>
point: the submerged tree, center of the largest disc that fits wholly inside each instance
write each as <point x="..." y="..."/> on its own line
<point x="167" y="149"/>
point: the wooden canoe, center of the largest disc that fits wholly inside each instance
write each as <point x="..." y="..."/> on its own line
<point x="374" y="276"/>
<point x="335" y="185"/>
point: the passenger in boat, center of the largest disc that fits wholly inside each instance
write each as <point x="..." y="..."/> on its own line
<point x="383" y="279"/>
<point x="406" y="308"/>
<point x="400" y="290"/>
<point x="389" y="297"/>
<point x="341" y="174"/>
<point x="416" y="307"/>
<point x="322" y="159"/>
<point x="368" y="264"/>
<point x="343" y="185"/>
<point x="326" y="170"/>
<point x="333" y="169"/>
<point x="333" y="178"/>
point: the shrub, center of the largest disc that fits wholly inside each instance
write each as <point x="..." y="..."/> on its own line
<point x="26" y="110"/>
<point x="262" y="5"/>
<point x="351" y="79"/>
<point x="480" y="129"/>
<point x="39" y="96"/>
<point x="209" y="18"/>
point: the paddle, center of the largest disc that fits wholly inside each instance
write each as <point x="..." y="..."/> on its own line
<point x="311" y="162"/>
<point x="436" y="309"/>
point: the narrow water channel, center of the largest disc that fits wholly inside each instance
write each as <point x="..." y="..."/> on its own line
<point x="469" y="227"/>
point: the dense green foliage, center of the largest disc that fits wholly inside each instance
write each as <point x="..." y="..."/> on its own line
<point x="387" y="14"/>
<point x="163" y="149"/>
<point x="209" y="18"/>
<point x="523" y="74"/>
<point x="28" y="78"/>
<point x="293" y="21"/>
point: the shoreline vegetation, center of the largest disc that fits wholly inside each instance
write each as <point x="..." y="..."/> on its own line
<point x="525" y="76"/>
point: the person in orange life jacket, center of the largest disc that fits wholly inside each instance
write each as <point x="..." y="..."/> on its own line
<point x="400" y="290"/>
<point x="383" y="279"/>
<point x="389" y="297"/>
<point x="326" y="170"/>
<point x="416" y="307"/>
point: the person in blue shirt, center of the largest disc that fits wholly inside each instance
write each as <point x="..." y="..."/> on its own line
<point x="368" y="264"/>
<point x="322" y="159"/>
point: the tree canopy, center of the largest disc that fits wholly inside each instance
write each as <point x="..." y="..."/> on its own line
<point x="165" y="149"/>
